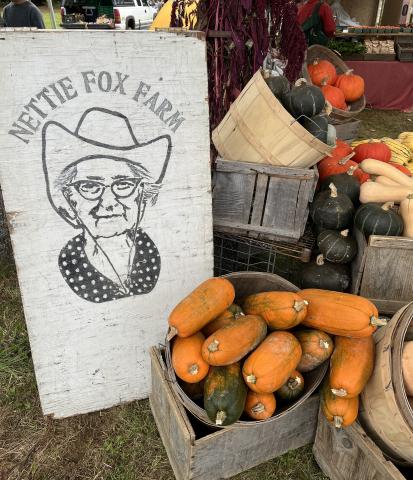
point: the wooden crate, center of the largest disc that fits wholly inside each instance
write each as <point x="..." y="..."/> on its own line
<point x="382" y="271"/>
<point x="262" y="201"/>
<point x="198" y="452"/>
<point x="349" y="454"/>
<point x="348" y="131"/>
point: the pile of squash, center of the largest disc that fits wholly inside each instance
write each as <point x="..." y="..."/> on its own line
<point x="248" y="360"/>
<point x="338" y="90"/>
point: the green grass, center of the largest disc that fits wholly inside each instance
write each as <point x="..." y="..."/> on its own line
<point x="121" y="443"/>
<point x="46" y="16"/>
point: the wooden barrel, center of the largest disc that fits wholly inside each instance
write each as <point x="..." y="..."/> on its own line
<point x="258" y="129"/>
<point x="319" y="52"/>
<point x="249" y="283"/>
<point x="384" y="410"/>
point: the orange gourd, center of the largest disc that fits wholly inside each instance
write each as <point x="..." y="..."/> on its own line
<point x="231" y="343"/>
<point x="260" y="406"/>
<point x="335" y="96"/>
<point x="341" y="412"/>
<point x="351" y="85"/>
<point x="317" y="347"/>
<point x="351" y="365"/>
<point x="269" y="366"/>
<point x="200" y="307"/>
<point x="231" y="314"/>
<point x="374" y="150"/>
<point x="322" y="70"/>
<point x="340" y="313"/>
<point x="281" y="310"/>
<point x="187" y="358"/>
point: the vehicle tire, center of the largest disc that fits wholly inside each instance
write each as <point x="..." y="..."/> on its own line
<point x="130" y="25"/>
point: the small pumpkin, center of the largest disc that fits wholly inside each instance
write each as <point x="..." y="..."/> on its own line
<point x="325" y="275"/>
<point x="351" y="365"/>
<point x="317" y="347"/>
<point x="332" y="210"/>
<point x="279" y="85"/>
<point x="407" y="367"/>
<point x="375" y="150"/>
<point x="293" y="388"/>
<point x="281" y="310"/>
<point x="337" y="247"/>
<point x="231" y="314"/>
<point x="201" y="306"/>
<point x="317" y="126"/>
<point x="373" y="219"/>
<point x="304" y="100"/>
<point x="342" y="149"/>
<point x="346" y="184"/>
<point x="260" y="406"/>
<point x="322" y="71"/>
<point x="341" y="412"/>
<point x="341" y="314"/>
<point x="187" y="359"/>
<point x="232" y="342"/>
<point x="335" y="96"/>
<point x="268" y="367"/>
<point x="224" y="394"/>
<point x="351" y="85"/>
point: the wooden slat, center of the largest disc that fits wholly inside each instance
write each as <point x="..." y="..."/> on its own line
<point x="282" y="172"/>
<point x="391" y="242"/>
<point x="239" y="227"/>
<point x="259" y="199"/>
<point x="358" y="263"/>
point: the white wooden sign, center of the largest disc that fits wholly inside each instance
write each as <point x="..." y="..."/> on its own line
<point x="104" y="167"/>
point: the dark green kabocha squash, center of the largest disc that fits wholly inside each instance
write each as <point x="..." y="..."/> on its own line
<point x="332" y="210"/>
<point x="303" y="99"/>
<point x="374" y="219"/>
<point x="224" y="394"/>
<point x="325" y="276"/>
<point x="292" y="389"/>
<point x="346" y="183"/>
<point x="337" y="247"/>
<point x="279" y="86"/>
<point x="317" y="126"/>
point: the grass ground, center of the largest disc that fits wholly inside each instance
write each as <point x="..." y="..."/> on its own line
<point x="47" y="18"/>
<point x="117" y="444"/>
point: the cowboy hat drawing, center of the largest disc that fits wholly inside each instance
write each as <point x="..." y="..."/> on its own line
<point x="100" y="133"/>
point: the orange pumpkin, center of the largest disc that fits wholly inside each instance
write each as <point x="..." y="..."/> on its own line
<point x="340" y="313"/>
<point x="187" y="358"/>
<point x="351" y="365"/>
<point x="335" y="96"/>
<point x="317" y="347"/>
<point x="260" y="406"/>
<point x="269" y="366"/>
<point x="231" y="343"/>
<point x="322" y="71"/>
<point x="231" y="314"/>
<point x="201" y="306"/>
<point x="341" y="412"/>
<point x="281" y="310"/>
<point x="375" y="150"/>
<point x="351" y="85"/>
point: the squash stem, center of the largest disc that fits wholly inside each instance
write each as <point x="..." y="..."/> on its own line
<point x="378" y="322"/>
<point x="338" y="421"/>
<point x="294" y="383"/>
<point x="220" y="417"/>
<point x="344" y="233"/>
<point x="213" y="346"/>
<point x="251" y="379"/>
<point x="320" y="260"/>
<point x="258" y="408"/>
<point x="339" y="392"/>
<point x="324" y="344"/>
<point x="193" y="369"/>
<point x="299" y="305"/>
<point x="333" y="189"/>
<point x="387" y="206"/>
<point x="171" y="334"/>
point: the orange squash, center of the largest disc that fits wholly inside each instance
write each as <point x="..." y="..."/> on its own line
<point x="281" y="310"/>
<point x="351" y="365"/>
<point x="187" y="358"/>
<point x="351" y="85"/>
<point x="260" y="406"/>
<point x="231" y="314"/>
<point x="200" y="307"/>
<point x="269" y="366"/>
<point x="232" y="342"/>
<point x="322" y="70"/>
<point x="407" y="367"/>
<point x="317" y="347"/>
<point x="340" y="313"/>
<point x="341" y="412"/>
<point x="334" y="95"/>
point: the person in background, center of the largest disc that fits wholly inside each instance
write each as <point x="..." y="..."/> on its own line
<point x="22" y="13"/>
<point x="317" y="21"/>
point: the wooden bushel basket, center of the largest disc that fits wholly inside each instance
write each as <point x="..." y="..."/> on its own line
<point x="258" y="129"/>
<point x="323" y="53"/>
<point x="249" y="283"/>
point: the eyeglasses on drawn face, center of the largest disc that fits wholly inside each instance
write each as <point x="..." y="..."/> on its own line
<point x="93" y="190"/>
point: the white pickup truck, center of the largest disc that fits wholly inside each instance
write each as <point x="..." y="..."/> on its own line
<point x="133" y="14"/>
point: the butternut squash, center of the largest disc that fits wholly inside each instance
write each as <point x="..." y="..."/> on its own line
<point x="377" y="167"/>
<point x="200" y="307"/>
<point x="372" y="192"/>
<point x="260" y="406"/>
<point x="340" y="313"/>
<point x="406" y="212"/>
<point x="351" y="365"/>
<point x="341" y="412"/>
<point x="386" y="181"/>
<point x="407" y="367"/>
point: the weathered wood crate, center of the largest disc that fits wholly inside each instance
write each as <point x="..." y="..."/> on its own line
<point x="383" y="271"/>
<point x="349" y="454"/>
<point x="202" y="453"/>
<point x="262" y="201"/>
<point x="348" y="131"/>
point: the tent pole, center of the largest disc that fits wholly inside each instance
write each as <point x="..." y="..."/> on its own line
<point x="52" y="15"/>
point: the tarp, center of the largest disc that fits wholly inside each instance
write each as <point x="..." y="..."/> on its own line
<point x="389" y="85"/>
<point x="341" y="16"/>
